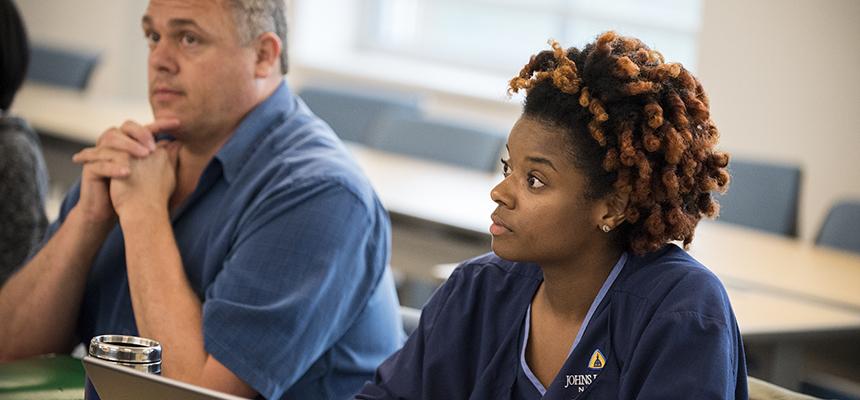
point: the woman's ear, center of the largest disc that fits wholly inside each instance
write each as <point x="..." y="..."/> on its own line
<point x="615" y="205"/>
<point x="268" y="51"/>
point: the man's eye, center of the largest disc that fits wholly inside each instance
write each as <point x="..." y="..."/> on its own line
<point x="188" y="39"/>
<point x="535" y="183"/>
<point x="152" y="37"/>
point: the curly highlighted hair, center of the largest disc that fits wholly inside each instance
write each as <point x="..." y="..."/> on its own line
<point x="637" y="126"/>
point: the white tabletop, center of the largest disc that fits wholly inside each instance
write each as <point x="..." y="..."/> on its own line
<point x="73" y="115"/>
<point x="766" y="261"/>
<point x="444" y="194"/>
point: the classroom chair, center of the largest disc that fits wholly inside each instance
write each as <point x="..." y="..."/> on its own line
<point x="440" y="140"/>
<point x="353" y="114"/>
<point x="761" y="390"/>
<point x="762" y="196"/>
<point x="841" y="228"/>
<point x="411" y="317"/>
<point x="61" y="67"/>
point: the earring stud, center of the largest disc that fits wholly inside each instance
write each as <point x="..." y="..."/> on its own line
<point x="605" y="228"/>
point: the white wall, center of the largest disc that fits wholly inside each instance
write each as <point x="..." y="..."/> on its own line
<point x="110" y="27"/>
<point x="782" y="78"/>
<point x="781" y="75"/>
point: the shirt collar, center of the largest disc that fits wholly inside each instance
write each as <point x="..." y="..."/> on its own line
<point x="254" y="128"/>
<point x="613" y="274"/>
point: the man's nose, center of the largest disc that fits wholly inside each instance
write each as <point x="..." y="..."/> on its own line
<point x="162" y="58"/>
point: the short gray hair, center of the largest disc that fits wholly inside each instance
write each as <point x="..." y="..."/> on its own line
<point x="255" y="17"/>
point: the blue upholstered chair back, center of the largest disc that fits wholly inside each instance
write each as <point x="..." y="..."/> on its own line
<point x="762" y="196"/>
<point x="841" y="228"/>
<point x="61" y="67"/>
<point x="440" y="140"/>
<point x="354" y="114"/>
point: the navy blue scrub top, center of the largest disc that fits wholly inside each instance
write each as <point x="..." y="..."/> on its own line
<point x="664" y="330"/>
<point x="527" y="385"/>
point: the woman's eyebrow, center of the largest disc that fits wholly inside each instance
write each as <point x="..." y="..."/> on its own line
<point x="542" y="160"/>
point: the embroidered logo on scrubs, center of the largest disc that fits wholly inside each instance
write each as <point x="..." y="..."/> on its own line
<point x="597" y="360"/>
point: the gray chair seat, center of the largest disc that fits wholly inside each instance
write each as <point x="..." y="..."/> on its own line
<point x="841" y="228"/>
<point x="354" y="114"/>
<point x="762" y="196"/>
<point x="61" y="67"/>
<point x="440" y="140"/>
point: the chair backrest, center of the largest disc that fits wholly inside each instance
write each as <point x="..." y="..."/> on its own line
<point x="353" y="114"/>
<point x="841" y="228"/>
<point x="762" y="196"/>
<point x="61" y="67"/>
<point x="761" y="390"/>
<point x="440" y="140"/>
<point x="411" y="317"/>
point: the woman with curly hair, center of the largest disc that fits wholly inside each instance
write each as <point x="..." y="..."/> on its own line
<point x="584" y="295"/>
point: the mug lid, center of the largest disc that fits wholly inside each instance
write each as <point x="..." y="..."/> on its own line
<point x="124" y="348"/>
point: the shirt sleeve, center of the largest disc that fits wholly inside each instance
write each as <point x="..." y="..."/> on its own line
<point x="23" y="180"/>
<point x="690" y="349"/>
<point x="69" y="201"/>
<point x="302" y="267"/>
<point x="402" y="376"/>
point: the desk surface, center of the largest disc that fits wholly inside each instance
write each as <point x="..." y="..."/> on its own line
<point x="819" y="283"/>
<point x="768" y="262"/>
<point x="51" y="377"/>
<point x="73" y="115"/>
<point x="435" y="192"/>
<point x="767" y="314"/>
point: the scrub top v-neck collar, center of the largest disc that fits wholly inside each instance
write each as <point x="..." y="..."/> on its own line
<point x="613" y="274"/>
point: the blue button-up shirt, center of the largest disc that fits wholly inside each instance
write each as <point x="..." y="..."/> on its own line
<point x="286" y="244"/>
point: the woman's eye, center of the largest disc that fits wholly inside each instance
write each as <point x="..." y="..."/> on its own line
<point x="535" y="183"/>
<point x="506" y="169"/>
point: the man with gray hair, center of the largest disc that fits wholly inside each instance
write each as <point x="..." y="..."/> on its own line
<point x="234" y="228"/>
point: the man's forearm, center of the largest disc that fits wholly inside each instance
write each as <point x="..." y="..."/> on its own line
<point x="165" y="307"/>
<point x="41" y="302"/>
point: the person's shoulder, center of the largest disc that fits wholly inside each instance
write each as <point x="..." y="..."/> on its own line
<point x="489" y="279"/>
<point x="20" y="152"/>
<point x="303" y="152"/>
<point x="16" y="133"/>
<point x="492" y="269"/>
<point x="671" y="280"/>
<point x="484" y="294"/>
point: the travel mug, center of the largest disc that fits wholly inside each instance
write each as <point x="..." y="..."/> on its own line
<point x="134" y="352"/>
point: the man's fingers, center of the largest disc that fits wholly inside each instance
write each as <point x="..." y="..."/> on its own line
<point x="173" y="153"/>
<point x="162" y="124"/>
<point x="142" y="134"/>
<point x="134" y="138"/>
<point x="118" y="140"/>
<point x="107" y="169"/>
<point x="97" y="154"/>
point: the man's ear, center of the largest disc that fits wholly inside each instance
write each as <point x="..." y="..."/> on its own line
<point x="268" y="51"/>
<point x="615" y="204"/>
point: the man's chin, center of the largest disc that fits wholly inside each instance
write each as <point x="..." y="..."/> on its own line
<point x="165" y="113"/>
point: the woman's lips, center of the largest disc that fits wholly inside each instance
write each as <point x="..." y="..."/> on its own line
<point x="498" y="227"/>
